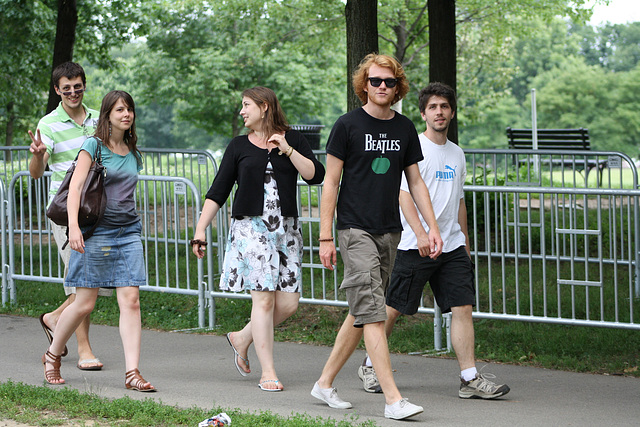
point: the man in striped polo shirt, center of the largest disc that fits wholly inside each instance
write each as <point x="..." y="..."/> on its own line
<point x="58" y="139"/>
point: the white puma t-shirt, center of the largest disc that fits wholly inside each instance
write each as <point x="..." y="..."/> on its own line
<point x="444" y="171"/>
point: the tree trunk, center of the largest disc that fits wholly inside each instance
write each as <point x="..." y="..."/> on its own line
<point x="442" y="49"/>
<point x="362" y="39"/>
<point x="235" y="125"/>
<point x="11" y="119"/>
<point x="65" y="39"/>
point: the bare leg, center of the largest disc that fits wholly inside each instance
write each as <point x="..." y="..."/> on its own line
<point x="85" y="352"/>
<point x="130" y="325"/>
<point x="462" y="336"/>
<point x="346" y="342"/>
<point x="286" y="304"/>
<point x="375" y="341"/>
<point x="71" y="317"/>
<point x="82" y="332"/>
<point x="262" y="331"/>
<point x="51" y="318"/>
<point x="392" y="317"/>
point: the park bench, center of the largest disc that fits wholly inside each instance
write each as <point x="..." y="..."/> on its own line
<point x="558" y="139"/>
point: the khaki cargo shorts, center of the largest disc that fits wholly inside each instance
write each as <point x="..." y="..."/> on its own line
<point x="368" y="261"/>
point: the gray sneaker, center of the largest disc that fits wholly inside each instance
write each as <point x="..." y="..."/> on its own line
<point x="369" y="379"/>
<point x="402" y="409"/>
<point x="330" y="397"/>
<point x="482" y="388"/>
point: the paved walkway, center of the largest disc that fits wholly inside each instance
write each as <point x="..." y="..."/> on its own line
<point x="197" y="370"/>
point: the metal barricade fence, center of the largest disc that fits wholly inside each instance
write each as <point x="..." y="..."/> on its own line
<point x="200" y="167"/>
<point x="169" y="207"/>
<point x="573" y="257"/>
<point x="12" y="161"/>
<point x="26" y="239"/>
<point x="508" y="229"/>
<point x="550" y="168"/>
<point x="544" y="215"/>
<point x="4" y="267"/>
<point x="547" y="248"/>
<point x="557" y="169"/>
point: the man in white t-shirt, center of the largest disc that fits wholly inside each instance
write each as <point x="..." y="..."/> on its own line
<point x="451" y="275"/>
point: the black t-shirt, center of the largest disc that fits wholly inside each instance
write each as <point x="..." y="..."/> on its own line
<point x="374" y="152"/>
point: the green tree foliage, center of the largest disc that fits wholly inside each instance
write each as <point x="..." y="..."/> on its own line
<point x="581" y="80"/>
<point x="613" y="46"/>
<point x="579" y="95"/>
<point x="208" y="53"/>
<point x="24" y="73"/>
<point x="486" y="34"/>
<point x="26" y="48"/>
<point x="107" y="24"/>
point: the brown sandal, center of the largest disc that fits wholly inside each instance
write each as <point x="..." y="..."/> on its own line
<point x="54" y="373"/>
<point x="134" y="381"/>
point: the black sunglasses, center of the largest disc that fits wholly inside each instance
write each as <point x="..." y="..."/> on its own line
<point x="76" y="89"/>
<point x="377" y="81"/>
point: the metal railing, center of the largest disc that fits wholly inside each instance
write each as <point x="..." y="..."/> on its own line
<point x="4" y="267"/>
<point x="552" y="243"/>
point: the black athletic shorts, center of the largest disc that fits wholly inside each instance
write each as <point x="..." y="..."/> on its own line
<point x="451" y="277"/>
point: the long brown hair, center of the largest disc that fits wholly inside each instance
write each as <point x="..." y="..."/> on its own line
<point x="102" y="129"/>
<point x="360" y="76"/>
<point x="274" y="120"/>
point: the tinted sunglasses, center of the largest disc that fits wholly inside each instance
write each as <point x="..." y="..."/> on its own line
<point x="76" y="89"/>
<point x="377" y="81"/>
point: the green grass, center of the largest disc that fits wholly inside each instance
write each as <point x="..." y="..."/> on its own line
<point x="33" y="406"/>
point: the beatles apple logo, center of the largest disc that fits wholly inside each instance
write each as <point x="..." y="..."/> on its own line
<point x="380" y="165"/>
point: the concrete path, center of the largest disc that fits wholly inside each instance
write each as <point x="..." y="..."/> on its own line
<point x="197" y="370"/>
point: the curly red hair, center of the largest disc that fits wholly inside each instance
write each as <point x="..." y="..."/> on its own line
<point x="361" y="75"/>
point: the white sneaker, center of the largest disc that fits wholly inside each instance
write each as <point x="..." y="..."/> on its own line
<point x="330" y="397"/>
<point x="369" y="379"/>
<point x="402" y="409"/>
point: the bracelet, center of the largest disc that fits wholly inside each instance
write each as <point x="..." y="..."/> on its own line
<point x="198" y="242"/>
<point x="288" y="152"/>
<point x="330" y="239"/>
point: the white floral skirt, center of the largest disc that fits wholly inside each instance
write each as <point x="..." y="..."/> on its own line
<point x="264" y="253"/>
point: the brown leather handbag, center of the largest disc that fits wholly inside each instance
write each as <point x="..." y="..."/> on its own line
<point x="93" y="199"/>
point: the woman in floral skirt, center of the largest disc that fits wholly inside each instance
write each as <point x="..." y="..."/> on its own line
<point x="264" y="248"/>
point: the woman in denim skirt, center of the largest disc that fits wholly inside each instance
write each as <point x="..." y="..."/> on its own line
<point x="264" y="250"/>
<point x="113" y="255"/>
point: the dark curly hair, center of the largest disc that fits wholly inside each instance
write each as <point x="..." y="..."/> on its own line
<point x="437" y="89"/>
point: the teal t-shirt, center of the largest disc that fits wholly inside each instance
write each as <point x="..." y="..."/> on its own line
<point x="120" y="185"/>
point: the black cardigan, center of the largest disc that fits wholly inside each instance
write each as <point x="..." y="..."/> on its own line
<point x="246" y="164"/>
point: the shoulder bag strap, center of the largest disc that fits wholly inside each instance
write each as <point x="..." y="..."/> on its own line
<point x="103" y="202"/>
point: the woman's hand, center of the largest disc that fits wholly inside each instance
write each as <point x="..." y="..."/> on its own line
<point x="198" y="246"/>
<point x="199" y="242"/>
<point x="76" y="241"/>
<point x="281" y="142"/>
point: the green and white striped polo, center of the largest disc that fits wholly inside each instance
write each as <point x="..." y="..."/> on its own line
<point x="63" y="138"/>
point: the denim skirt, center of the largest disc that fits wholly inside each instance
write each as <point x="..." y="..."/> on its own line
<point x="113" y="257"/>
